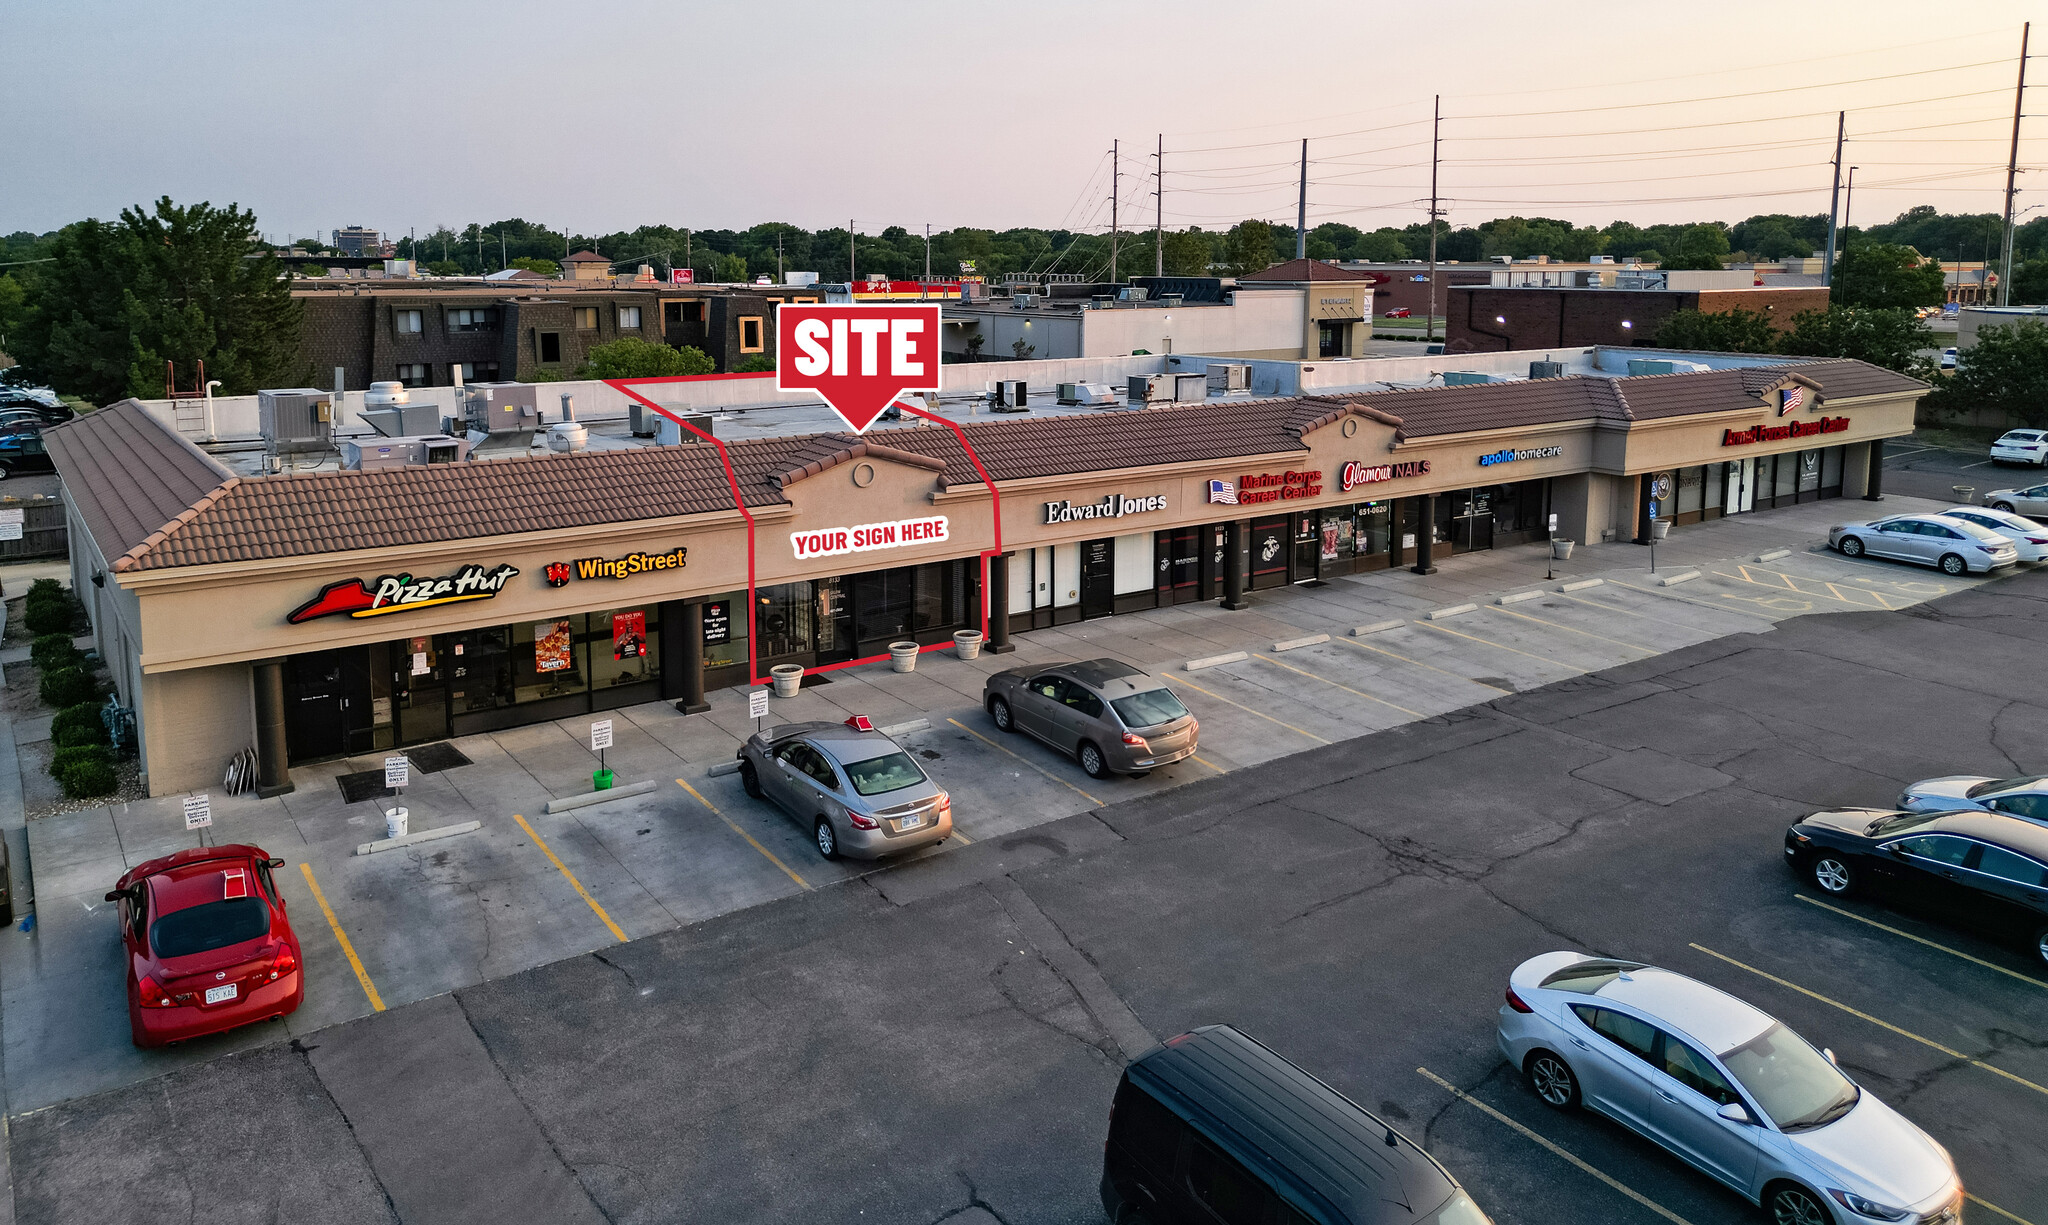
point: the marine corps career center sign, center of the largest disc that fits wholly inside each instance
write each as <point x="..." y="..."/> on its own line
<point x="1115" y="506"/>
<point x="868" y="537"/>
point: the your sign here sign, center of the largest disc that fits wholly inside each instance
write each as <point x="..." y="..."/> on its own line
<point x="857" y="358"/>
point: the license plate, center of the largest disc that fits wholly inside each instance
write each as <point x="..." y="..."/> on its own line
<point x="216" y="995"/>
<point x="910" y="822"/>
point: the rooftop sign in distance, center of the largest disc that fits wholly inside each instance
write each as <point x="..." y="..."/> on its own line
<point x="857" y="358"/>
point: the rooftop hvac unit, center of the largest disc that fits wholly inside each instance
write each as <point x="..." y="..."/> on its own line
<point x="1023" y="301"/>
<point x="1641" y="365"/>
<point x="1190" y="388"/>
<point x="501" y="408"/>
<point x="1170" y="300"/>
<point x="1009" y="396"/>
<point x="1089" y="394"/>
<point x="1228" y="378"/>
<point x="1546" y="370"/>
<point x="1465" y="378"/>
<point x="371" y="455"/>
<point x="404" y="420"/>
<point x="294" y="420"/>
<point x="1169" y="388"/>
<point x="646" y="422"/>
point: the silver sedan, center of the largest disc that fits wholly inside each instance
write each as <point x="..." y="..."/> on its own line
<point x="1951" y="545"/>
<point x="858" y="793"/>
<point x="2031" y="501"/>
<point x="2025" y="796"/>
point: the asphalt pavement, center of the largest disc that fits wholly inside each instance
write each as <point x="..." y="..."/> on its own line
<point x="1916" y="467"/>
<point x="939" y="1041"/>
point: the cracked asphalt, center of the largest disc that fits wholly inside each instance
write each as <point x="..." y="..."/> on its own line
<point x="939" y="1041"/>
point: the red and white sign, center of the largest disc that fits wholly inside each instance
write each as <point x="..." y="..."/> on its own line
<point x="857" y="358"/>
<point x="869" y="536"/>
<point x="682" y="276"/>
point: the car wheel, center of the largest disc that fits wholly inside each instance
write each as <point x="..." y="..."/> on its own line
<point x="828" y="842"/>
<point x="2041" y="943"/>
<point x="1791" y="1205"/>
<point x="1092" y="763"/>
<point x="750" y="778"/>
<point x="4" y="473"/>
<point x="1833" y="875"/>
<point x="999" y="712"/>
<point x="1952" y="564"/>
<point x="1851" y="546"/>
<point x="2005" y="506"/>
<point x="1551" y="1077"/>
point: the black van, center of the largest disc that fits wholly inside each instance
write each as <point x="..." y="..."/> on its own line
<point x="1214" y="1129"/>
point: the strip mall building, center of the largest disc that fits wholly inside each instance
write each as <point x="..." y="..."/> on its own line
<point x="333" y="613"/>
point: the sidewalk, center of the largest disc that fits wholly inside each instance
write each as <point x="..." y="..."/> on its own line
<point x="529" y="888"/>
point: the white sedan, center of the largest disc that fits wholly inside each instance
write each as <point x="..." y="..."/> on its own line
<point x="1724" y="1086"/>
<point x="2021" y="447"/>
<point x="2029" y="537"/>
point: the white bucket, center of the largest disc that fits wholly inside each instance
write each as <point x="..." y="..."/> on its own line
<point x="395" y="822"/>
<point x="788" y="679"/>
<point x="967" y="644"/>
<point x="903" y="656"/>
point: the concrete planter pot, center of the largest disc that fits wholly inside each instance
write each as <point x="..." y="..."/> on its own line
<point x="1660" y="528"/>
<point x="967" y="644"/>
<point x="903" y="656"/>
<point x="788" y="679"/>
<point x="1561" y="550"/>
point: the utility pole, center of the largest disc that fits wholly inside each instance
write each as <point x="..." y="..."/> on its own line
<point x="1848" y="209"/>
<point x="779" y="276"/>
<point x="1116" y="187"/>
<point x="1436" y="127"/>
<point x="1159" y="221"/>
<point x="2012" y="169"/>
<point x="1827" y="271"/>
<point x="925" y="290"/>
<point x="687" y="262"/>
<point x="1301" y="208"/>
<point x="849" y="256"/>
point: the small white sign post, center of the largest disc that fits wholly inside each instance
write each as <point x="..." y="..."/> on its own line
<point x="397" y="776"/>
<point x="198" y="813"/>
<point x="600" y="740"/>
<point x="757" y="706"/>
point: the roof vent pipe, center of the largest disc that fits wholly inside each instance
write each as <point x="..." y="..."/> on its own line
<point x="568" y="407"/>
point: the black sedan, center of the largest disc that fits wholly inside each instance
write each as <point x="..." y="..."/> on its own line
<point x="1983" y="870"/>
<point x="23" y="452"/>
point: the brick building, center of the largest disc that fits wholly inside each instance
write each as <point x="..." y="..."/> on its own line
<point x="1487" y="319"/>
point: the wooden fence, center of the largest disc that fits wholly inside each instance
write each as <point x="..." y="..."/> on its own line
<point x="42" y="530"/>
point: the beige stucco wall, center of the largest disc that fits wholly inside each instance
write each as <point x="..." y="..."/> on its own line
<point x="191" y="722"/>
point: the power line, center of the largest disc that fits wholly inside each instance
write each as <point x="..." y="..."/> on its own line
<point x="1754" y="93"/>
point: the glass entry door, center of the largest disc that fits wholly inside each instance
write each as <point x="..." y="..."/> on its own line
<point x="420" y="686"/>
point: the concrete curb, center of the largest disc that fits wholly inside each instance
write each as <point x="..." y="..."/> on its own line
<point x="1295" y="644"/>
<point x="901" y="729"/>
<point x="1583" y="584"/>
<point x="598" y="797"/>
<point x="1673" y="580"/>
<point x="425" y="835"/>
<point x="1377" y="627"/>
<point x="1517" y="597"/>
<point x="725" y="767"/>
<point x="1438" y="614"/>
<point x="1212" y="661"/>
<point x="1773" y="554"/>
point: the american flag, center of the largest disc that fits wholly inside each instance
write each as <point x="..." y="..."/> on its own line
<point x="1222" y="492"/>
<point x="1790" y="399"/>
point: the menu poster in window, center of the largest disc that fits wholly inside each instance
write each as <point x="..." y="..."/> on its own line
<point x="629" y="634"/>
<point x="551" y="646"/>
<point x="717" y="622"/>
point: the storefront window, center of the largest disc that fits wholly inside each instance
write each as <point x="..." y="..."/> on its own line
<point x="786" y="618"/>
<point x="1374" y="525"/>
<point x="624" y="646"/>
<point x="548" y="661"/>
<point x="725" y="630"/>
<point x="1692" y="484"/>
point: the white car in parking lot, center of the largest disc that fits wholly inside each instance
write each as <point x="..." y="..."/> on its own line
<point x="1725" y="1086"/>
<point x="2021" y="447"/>
<point x="2027" y="536"/>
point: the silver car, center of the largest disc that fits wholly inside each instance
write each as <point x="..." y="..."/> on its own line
<point x="2031" y="501"/>
<point x="1951" y="545"/>
<point x="1111" y="717"/>
<point x="858" y="793"/>
<point x="1724" y="1086"/>
<point x="2025" y="797"/>
<point x="2027" y="536"/>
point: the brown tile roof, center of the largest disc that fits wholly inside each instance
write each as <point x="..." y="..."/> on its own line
<point x="1308" y="270"/>
<point x="154" y="501"/>
<point x="128" y="475"/>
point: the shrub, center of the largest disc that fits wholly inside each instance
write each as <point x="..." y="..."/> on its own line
<point x="53" y="651"/>
<point x="90" y="778"/>
<point x="71" y="718"/>
<point x="63" y="759"/>
<point x="63" y="687"/>
<point x="45" y="617"/>
<point x="44" y="588"/>
<point x="82" y="734"/>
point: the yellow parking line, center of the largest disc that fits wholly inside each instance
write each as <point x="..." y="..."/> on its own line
<point x="1498" y="1117"/>
<point x="1418" y="663"/>
<point x="1034" y="765"/>
<point x="1569" y="629"/>
<point x="963" y="839"/>
<point x="1430" y="625"/>
<point x="1672" y="595"/>
<point x="1241" y="706"/>
<point x="801" y="882"/>
<point x="1346" y="688"/>
<point x="1205" y="761"/>
<point x="1951" y="1052"/>
<point x="2031" y="981"/>
<point x="2010" y="1216"/>
<point x="571" y="876"/>
<point x="347" y="950"/>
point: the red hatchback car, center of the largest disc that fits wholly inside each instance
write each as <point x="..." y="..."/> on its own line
<point x="209" y="946"/>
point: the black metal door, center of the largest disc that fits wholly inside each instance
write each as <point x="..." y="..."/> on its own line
<point x="1098" y="578"/>
<point x="315" y="706"/>
<point x="1308" y="540"/>
<point x="1269" y="553"/>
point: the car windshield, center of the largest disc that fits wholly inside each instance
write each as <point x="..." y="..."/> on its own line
<point x="1898" y="821"/>
<point x="209" y="926"/>
<point x="1587" y="977"/>
<point x="2005" y="784"/>
<point x="1459" y="1210"/>
<point x="891" y="772"/>
<point x="1149" y="709"/>
<point x="1795" y="1084"/>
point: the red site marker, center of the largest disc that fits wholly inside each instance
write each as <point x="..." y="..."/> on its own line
<point x="857" y="358"/>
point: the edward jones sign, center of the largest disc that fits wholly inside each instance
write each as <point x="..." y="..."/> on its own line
<point x="857" y="358"/>
<point x="868" y="537"/>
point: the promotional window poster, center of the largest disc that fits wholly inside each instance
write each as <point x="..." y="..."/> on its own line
<point x="629" y="634"/>
<point x="551" y="646"/>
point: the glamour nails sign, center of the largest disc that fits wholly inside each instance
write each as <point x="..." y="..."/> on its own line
<point x="868" y="537"/>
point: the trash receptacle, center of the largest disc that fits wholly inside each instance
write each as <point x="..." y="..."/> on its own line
<point x="1561" y="549"/>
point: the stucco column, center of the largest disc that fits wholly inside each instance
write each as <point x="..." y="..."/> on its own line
<point x="273" y="775"/>
<point x="1873" y="480"/>
<point x="1236" y="556"/>
<point x="1425" y="534"/>
<point x="692" y="701"/>
<point x="999" y="606"/>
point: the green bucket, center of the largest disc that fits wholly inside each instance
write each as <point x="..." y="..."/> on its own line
<point x="602" y="779"/>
